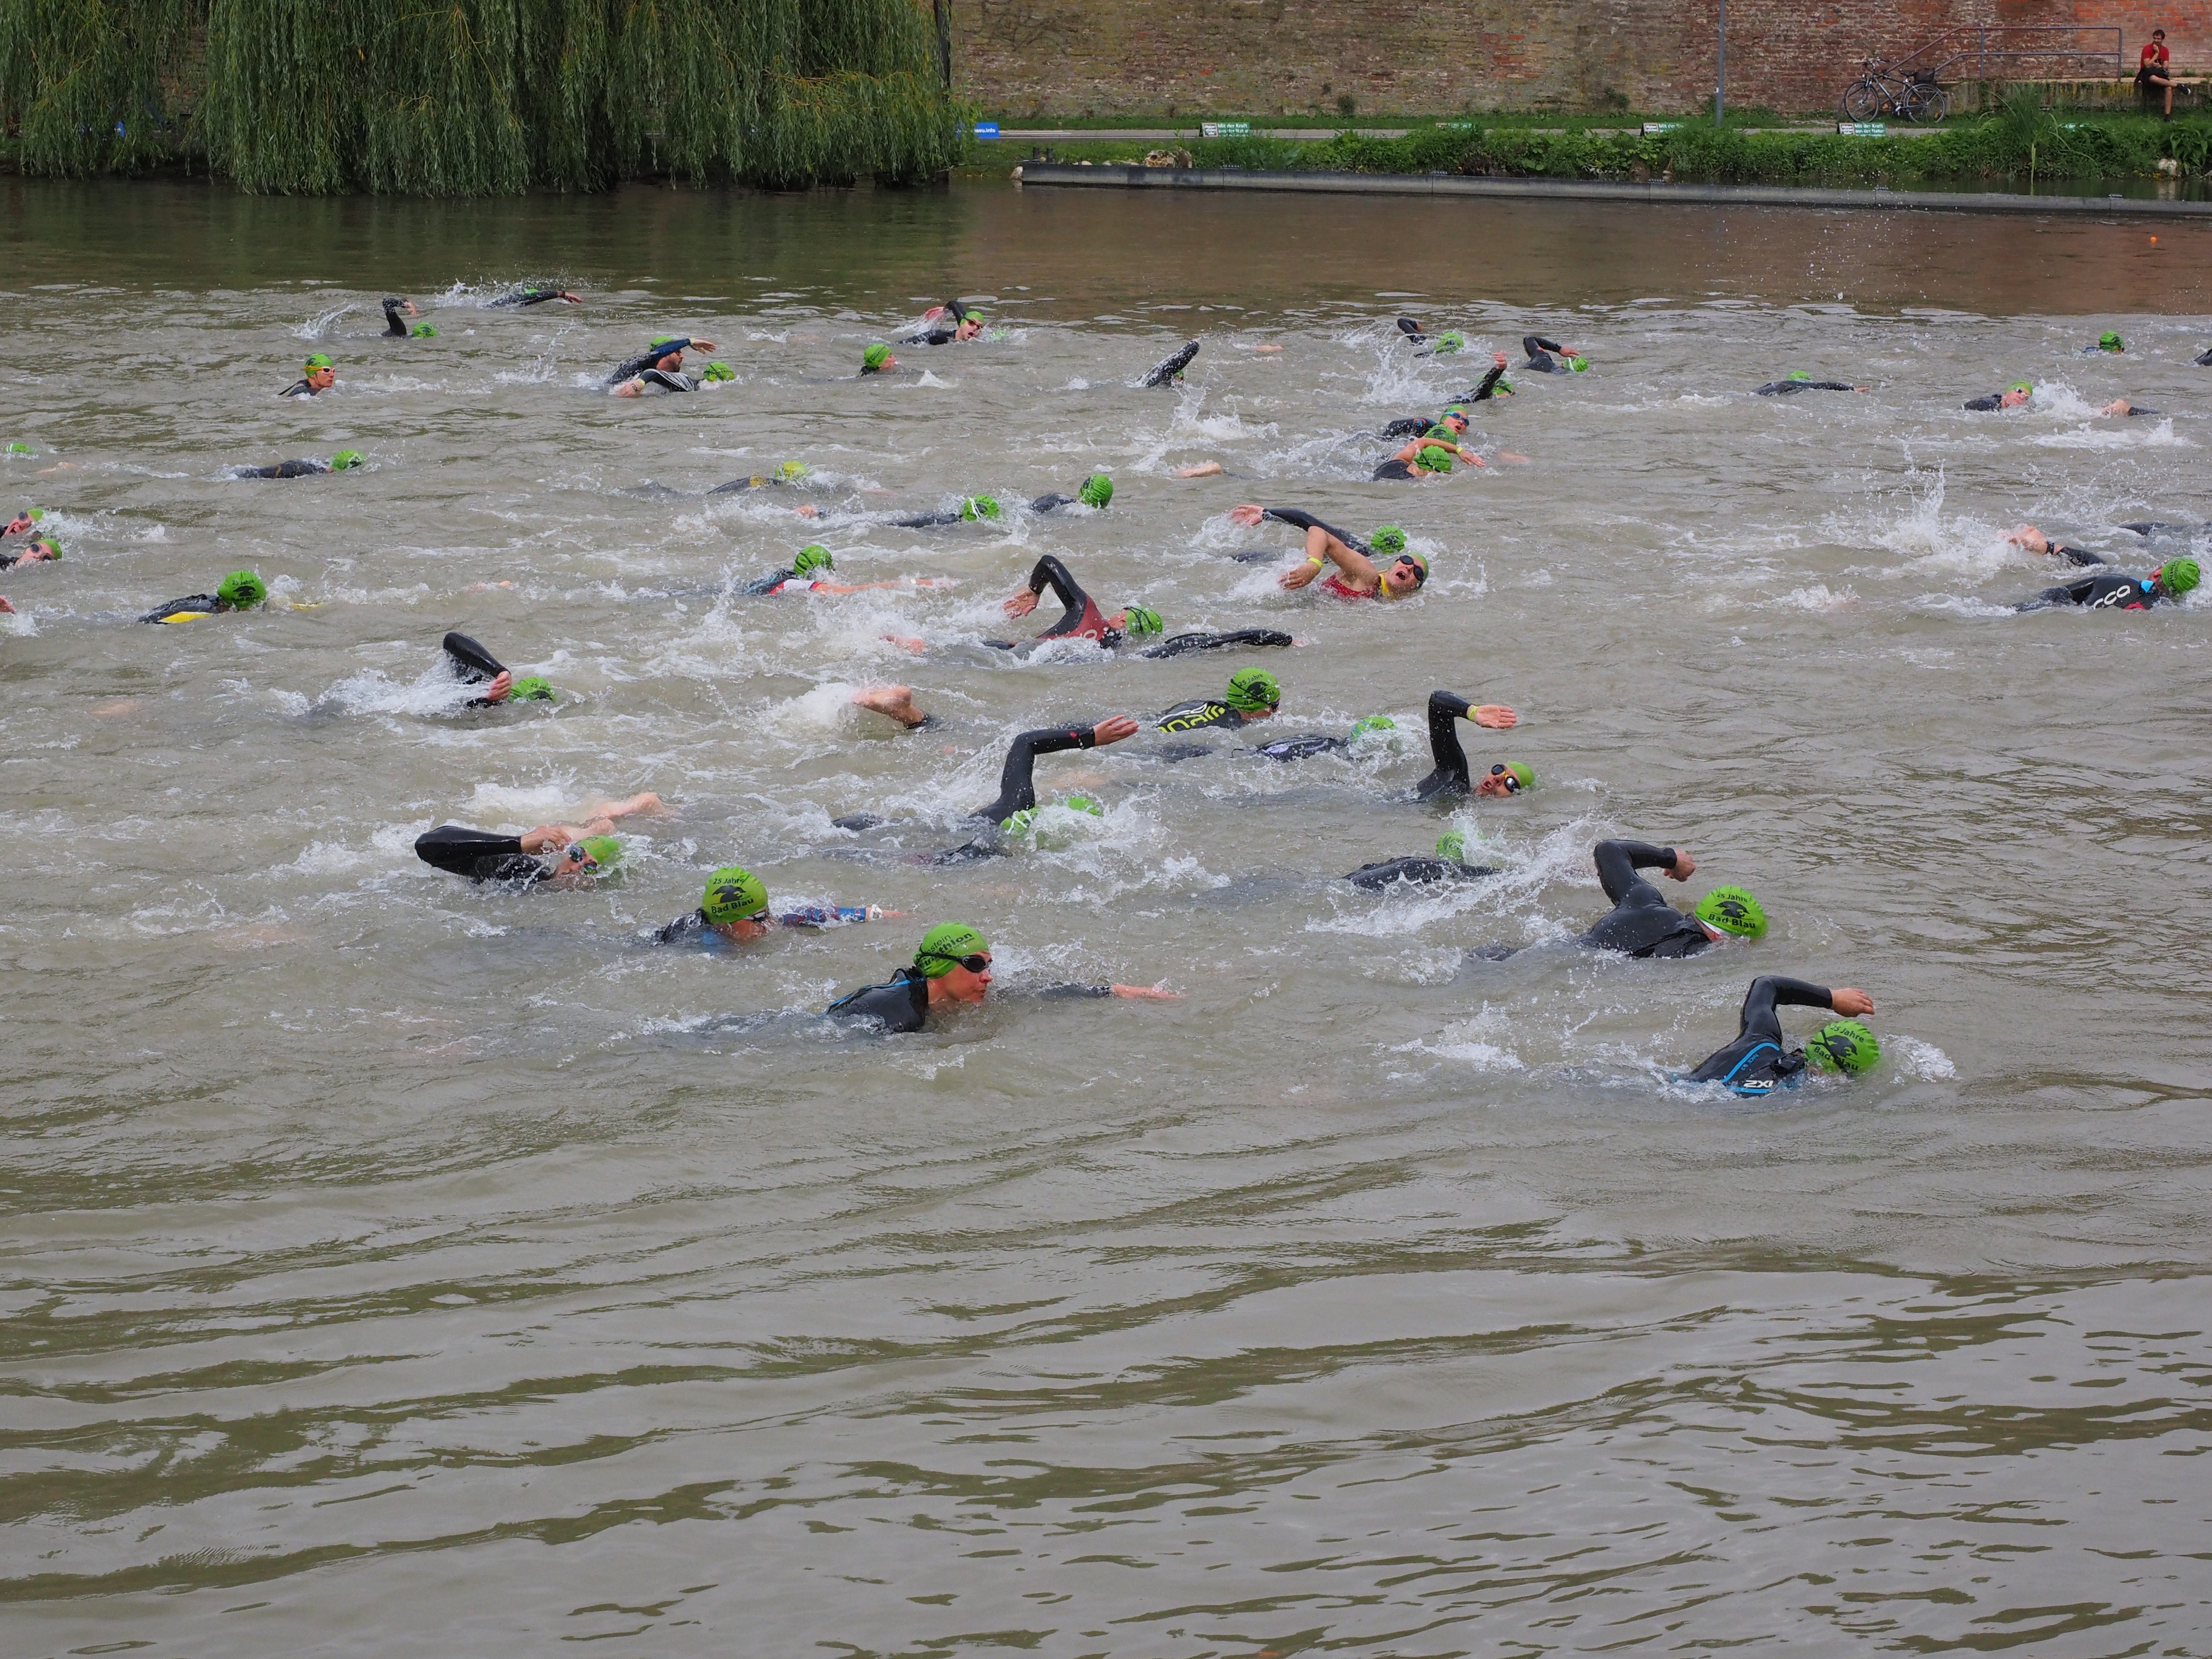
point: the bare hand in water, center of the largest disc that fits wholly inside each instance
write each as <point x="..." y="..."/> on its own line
<point x="1495" y="716"/>
<point x="1151" y="994"/>
<point x="1248" y="515"/>
<point x="1684" y="867"/>
<point x="1298" y="575"/>
<point x="1022" y="603"/>
<point x="1113" y="730"/>
<point x="1850" y="1003"/>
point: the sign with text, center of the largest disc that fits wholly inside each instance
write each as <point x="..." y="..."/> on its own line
<point x="1224" y="129"/>
<point x="987" y="129"/>
<point x="1863" y="128"/>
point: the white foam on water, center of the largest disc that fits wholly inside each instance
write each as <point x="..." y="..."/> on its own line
<point x="320" y="325"/>
<point x="1916" y="1058"/>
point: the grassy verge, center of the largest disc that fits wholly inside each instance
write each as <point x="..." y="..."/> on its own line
<point x="2013" y="142"/>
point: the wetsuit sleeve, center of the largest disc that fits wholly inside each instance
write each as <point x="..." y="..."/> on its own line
<point x="2076" y="555"/>
<point x="1412" y="426"/>
<point x="1618" y="861"/>
<point x="2133" y="412"/>
<point x="901" y="1006"/>
<point x="1827" y="385"/>
<point x="1016" y="787"/>
<point x="769" y="583"/>
<point x="1061" y="993"/>
<point x="1253" y="636"/>
<point x="1051" y="503"/>
<point x="1534" y="344"/>
<point x="1304" y="521"/>
<point x="191" y="602"/>
<point x="1994" y="400"/>
<point x="923" y="521"/>
<point x="682" y="928"/>
<point x="1446" y="709"/>
<point x="1050" y="572"/>
<point x="477" y="854"/>
<point x="1488" y="389"/>
<point x="1760" y="1019"/>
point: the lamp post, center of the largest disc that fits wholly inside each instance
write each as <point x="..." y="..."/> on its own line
<point x="1720" y="69"/>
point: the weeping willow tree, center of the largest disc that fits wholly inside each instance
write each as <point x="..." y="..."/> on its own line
<point x="476" y="97"/>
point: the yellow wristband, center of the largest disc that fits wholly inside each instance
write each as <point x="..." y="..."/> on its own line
<point x="1316" y="561"/>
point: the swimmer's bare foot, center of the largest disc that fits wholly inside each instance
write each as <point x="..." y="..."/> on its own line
<point x="1203" y="469"/>
<point x="894" y="701"/>
<point x="809" y="511"/>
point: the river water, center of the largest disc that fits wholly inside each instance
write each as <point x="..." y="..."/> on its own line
<point x="398" y="1266"/>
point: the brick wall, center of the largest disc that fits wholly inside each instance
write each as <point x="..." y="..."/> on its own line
<point x="1060" y="58"/>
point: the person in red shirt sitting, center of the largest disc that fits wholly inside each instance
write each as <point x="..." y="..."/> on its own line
<point x="2153" y="73"/>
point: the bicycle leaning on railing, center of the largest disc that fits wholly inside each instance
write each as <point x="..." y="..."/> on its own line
<point x="1915" y="95"/>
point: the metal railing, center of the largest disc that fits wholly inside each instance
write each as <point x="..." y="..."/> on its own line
<point x="1983" y="45"/>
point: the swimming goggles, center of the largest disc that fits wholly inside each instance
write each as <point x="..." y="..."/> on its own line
<point x="975" y="963"/>
<point x="1512" y="784"/>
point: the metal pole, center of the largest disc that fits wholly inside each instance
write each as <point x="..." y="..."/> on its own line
<point x="1720" y="72"/>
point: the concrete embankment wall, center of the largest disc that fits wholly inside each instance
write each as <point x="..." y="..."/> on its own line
<point x="1071" y="58"/>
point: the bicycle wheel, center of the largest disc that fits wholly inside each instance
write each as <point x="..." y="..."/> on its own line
<point x="1863" y="101"/>
<point x="1926" y="103"/>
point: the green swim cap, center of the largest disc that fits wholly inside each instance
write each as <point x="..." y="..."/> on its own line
<point x="979" y="506"/>
<point x="944" y="942"/>
<point x="733" y="894"/>
<point x="1388" y="539"/>
<point x="1097" y="490"/>
<point x="1843" y="1045"/>
<point x="2177" y="576"/>
<point x="2021" y="386"/>
<point x="36" y="513"/>
<point x="531" y="688"/>
<point x="1732" y="910"/>
<point x="1018" y="823"/>
<point x="2109" y="340"/>
<point x="317" y="360"/>
<point x="1521" y="775"/>
<point x="1139" y="620"/>
<point x="1452" y="845"/>
<point x="718" y="372"/>
<point x="1433" y="459"/>
<point x="1251" y="688"/>
<point x="1083" y="804"/>
<point x="1577" y="365"/>
<point x="1360" y="728"/>
<point x="344" y="458"/>
<point x="875" y="357"/>
<point x="1797" y="374"/>
<point x="1503" y="386"/>
<point x="813" y="557"/>
<point x="425" y="331"/>
<point x="1449" y="341"/>
<point x="605" y="851"/>
<point x="20" y="449"/>
<point x="242" y="590"/>
<point x="792" y="471"/>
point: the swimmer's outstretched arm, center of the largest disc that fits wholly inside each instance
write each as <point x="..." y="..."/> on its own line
<point x="2029" y="539"/>
<point x="1446" y="710"/>
<point x="1016" y="787"/>
<point x="1050" y="572"/>
<point x="892" y="702"/>
<point x="1324" y="546"/>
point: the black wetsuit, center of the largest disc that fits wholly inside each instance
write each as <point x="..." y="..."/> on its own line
<point x="1197" y="715"/>
<point x="758" y="481"/>
<point x="769" y="583"/>
<point x="1756" y="1063"/>
<point x="1539" y="350"/>
<point x="926" y="520"/>
<point x="1641" y="923"/>
<point x="1393" y="470"/>
<point x="2133" y="412"/>
<point x="666" y="379"/>
<point x="528" y="296"/>
<point x="1017" y="789"/>
<point x="191" y="602"/>
<point x="2113" y="591"/>
<point x="1790" y="388"/>
<point x="2152" y="528"/>
<point x="939" y="333"/>
<point x="395" y="325"/>
<point x="2078" y="554"/>
<point x="475" y="665"/>
<point x="636" y="366"/>
<point x="1082" y="619"/>
<point x="300" y="388"/>
<point x="902" y="1003"/>
<point x="1449" y="775"/>
<point x="1180" y="643"/>
<point x="696" y="926"/>
<point x="1414" y="425"/>
<point x="1419" y="869"/>
<point x="1983" y="405"/>
<point x="1165" y="372"/>
<point x="1053" y="503"/>
<point x="480" y="855"/>
<point x="1300" y="745"/>
<point x="2203" y="360"/>
<point x="281" y="470"/>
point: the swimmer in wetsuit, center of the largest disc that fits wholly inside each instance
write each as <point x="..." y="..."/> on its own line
<point x="2116" y="590"/>
<point x="395" y="325"/>
<point x="343" y="461"/>
<point x="2029" y="539"/>
<point x="735" y="908"/>
<point x="2013" y="396"/>
<point x="877" y="360"/>
<point x="1168" y="370"/>
<point x="241" y="590"/>
<point x="1643" y="924"/>
<point x="1541" y="360"/>
<point x="965" y="325"/>
<point x="1455" y="417"/>
<point x="534" y="296"/>
<point x="1449" y="775"/>
<point x="317" y="376"/>
<point x="2107" y="342"/>
<point x="972" y="509"/>
<point x="478" y="666"/>
<point x="804" y="577"/>
<point x="1757" y="1064"/>
<point x="1430" y="455"/>
<point x="786" y="473"/>
<point x="661" y="365"/>
<point x="39" y="550"/>
<point x="1450" y="864"/>
<point x="1095" y="491"/>
<point x="1797" y="380"/>
<point x="1356" y="576"/>
<point x="1253" y="694"/>
<point x="582" y="852"/>
<point x="952" y="966"/>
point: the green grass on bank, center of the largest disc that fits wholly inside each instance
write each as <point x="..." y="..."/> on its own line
<point x="2016" y="141"/>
